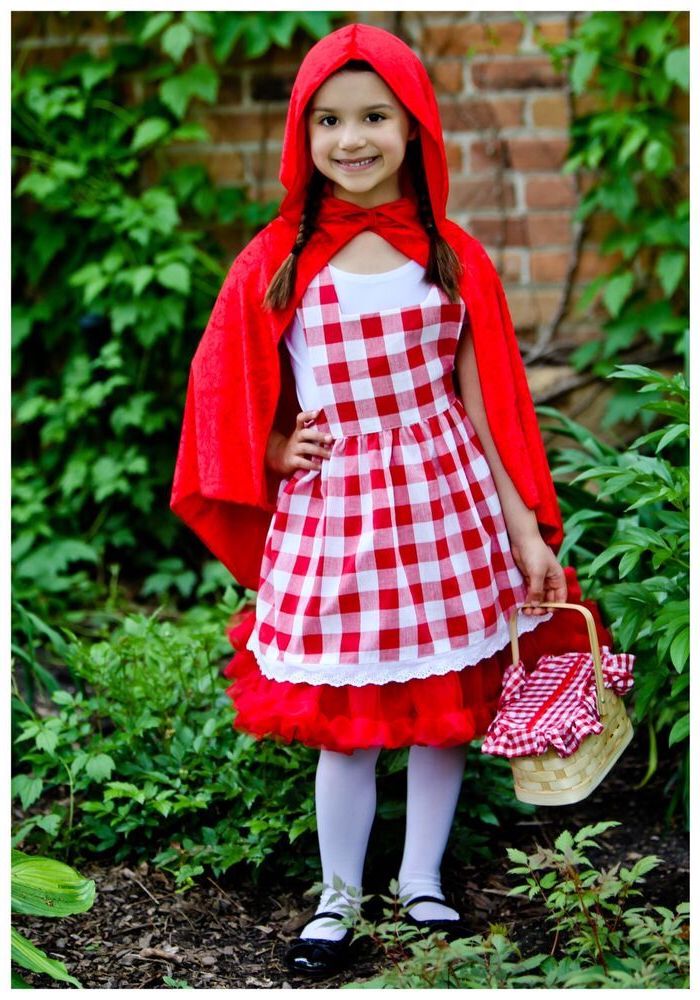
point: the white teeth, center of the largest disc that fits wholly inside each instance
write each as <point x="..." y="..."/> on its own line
<point x="357" y="163"/>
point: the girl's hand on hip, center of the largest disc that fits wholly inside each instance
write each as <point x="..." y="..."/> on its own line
<point x="543" y="575"/>
<point x="304" y="448"/>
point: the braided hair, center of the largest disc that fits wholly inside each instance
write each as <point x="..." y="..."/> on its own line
<point x="443" y="267"/>
<point x="281" y="287"/>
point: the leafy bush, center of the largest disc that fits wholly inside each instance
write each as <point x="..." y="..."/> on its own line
<point x="598" y="940"/>
<point x="114" y="272"/>
<point x="45" y="888"/>
<point x="626" y="517"/>
<point x="631" y="68"/>
<point x="140" y="760"/>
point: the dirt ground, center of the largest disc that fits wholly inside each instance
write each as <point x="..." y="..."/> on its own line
<point x="231" y="933"/>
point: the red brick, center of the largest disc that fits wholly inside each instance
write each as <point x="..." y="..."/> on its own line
<point x="264" y="168"/>
<point x="477" y="114"/>
<point x="551" y="31"/>
<point x="231" y="126"/>
<point x="549" y="266"/>
<point x="500" y="231"/>
<point x="550" y="111"/>
<point x="466" y="194"/>
<point x="592" y="263"/>
<point x="454" y="156"/>
<point x="537" y="154"/>
<point x="550" y="192"/>
<point x="521" y="74"/>
<point x="488" y="155"/>
<point x="447" y="76"/>
<point x="549" y="230"/>
<point x="530" y="308"/>
<point x="599" y="225"/>
<point x="461" y="39"/>
<point x="511" y="266"/>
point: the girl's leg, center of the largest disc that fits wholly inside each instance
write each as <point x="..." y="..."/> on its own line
<point x="434" y="780"/>
<point x="346" y="798"/>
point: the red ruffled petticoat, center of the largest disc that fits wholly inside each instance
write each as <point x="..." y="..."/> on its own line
<point x="440" y="711"/>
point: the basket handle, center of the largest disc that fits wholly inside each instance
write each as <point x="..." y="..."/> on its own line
<point x="592" y="636"/>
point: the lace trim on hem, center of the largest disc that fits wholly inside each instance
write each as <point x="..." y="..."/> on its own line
<point x="359" y="674"/>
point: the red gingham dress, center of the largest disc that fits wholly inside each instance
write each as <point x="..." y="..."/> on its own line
<point x="387" y="571"/>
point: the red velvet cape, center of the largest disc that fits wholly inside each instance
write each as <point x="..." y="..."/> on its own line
<point x="240" y="383"/>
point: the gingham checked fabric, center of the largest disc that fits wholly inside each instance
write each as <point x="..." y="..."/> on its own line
<point x="555" y="705"/>
<point x="391" y="561"/>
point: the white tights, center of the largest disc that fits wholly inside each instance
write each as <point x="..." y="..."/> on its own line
<point x="346" y="798"/>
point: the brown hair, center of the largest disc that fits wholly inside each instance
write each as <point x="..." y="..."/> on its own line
<point x="442" y="268"/>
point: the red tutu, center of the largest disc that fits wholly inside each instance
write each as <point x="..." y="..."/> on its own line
<point x="440" y="711"/>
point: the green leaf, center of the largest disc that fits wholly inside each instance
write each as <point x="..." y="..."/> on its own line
<point x="149" y="131"/>
<point x="30" y="957"/>
<point x="677" y="67"/>
<point x="47" y="888"/>
<point x="670" y="268"/>
<point x="583" y="65"/>
<point x="154" y="25"/>
<point x="176" y="40"/>
<point x="100" y="766"/>
<point x="680" y="731"/>
<point x="658" y="158"/>
<point x="617" y="291"/>
<point x="199" y="80"/>
<point x="680" y="650"/>
<point x="176" y="277"/>
<point x="28" y="788"/>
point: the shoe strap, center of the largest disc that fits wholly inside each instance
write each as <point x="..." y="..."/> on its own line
<point x="324" y="914"/>
<point x="425" y="899"/>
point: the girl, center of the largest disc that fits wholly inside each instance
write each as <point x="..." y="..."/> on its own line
<point x="360" y="446"/>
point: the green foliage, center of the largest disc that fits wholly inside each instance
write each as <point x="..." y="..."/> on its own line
<point x="632" y="65"/>
<point x="114" y="272"/>
<point x="46" y="888"/>
<point x="598" y="941"/>
<point x="626" y="518"/>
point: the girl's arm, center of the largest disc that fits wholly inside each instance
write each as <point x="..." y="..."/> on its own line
<point x="532" y="555"/>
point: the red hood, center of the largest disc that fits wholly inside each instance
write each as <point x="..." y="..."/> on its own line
<point x="403" y="73"/>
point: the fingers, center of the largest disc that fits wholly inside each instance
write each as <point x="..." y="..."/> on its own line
<point x="535" y="591"/>
<point x="310" y="445"/>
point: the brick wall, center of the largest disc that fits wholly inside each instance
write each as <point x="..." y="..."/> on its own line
<point x="505" y="115"/>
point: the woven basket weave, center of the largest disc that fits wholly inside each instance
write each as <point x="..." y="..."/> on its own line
<point x="550" y="780"/>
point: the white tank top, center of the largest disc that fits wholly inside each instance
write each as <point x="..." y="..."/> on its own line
<point x="357" y="293"/>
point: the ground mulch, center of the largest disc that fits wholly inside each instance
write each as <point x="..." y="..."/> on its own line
<point x="232" y="933"/>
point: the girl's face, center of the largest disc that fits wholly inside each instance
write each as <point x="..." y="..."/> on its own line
<point x="358" y="132"/>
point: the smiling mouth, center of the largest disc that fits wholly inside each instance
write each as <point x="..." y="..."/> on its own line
<point x="356" y="164"/>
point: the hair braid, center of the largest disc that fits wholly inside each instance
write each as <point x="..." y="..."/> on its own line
<point x="443" y="267"/>
<point x="280" y="288"/>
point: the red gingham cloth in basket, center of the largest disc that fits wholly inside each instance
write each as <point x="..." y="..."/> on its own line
<point x="391" y="561"/>
<point x="555" y="705"/>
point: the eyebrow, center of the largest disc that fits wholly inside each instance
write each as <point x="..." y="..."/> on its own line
<point x="370" y="107"/>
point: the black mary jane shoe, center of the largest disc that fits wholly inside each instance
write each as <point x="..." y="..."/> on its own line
<point x="318" y="957"/>
<point x="454" y="929"/>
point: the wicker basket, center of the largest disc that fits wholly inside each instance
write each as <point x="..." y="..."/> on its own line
<point x="550" y="780"/>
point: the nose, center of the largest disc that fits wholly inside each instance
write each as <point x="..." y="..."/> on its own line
<point x="351" y="137"/>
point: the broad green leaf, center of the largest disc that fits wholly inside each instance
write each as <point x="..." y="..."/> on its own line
<point x="28" y="788"/>
<point x="680" y="731"/>
<point x="100" y="766"/>
<point x="199" y="81"/>
<point x="658" y="158"/>
<point x="176" y="40"/>
<point x="176" y="277"/>
<point x="47" y="888"/>
<point x="617" y="291"/>
<point x="677" y="67"/>
<point x="149" y="131"/>
<point x="583" y="65"/>
<point x="155" y="24"/>
<point x="670" y="268"/>
<point x="26" y="954"/>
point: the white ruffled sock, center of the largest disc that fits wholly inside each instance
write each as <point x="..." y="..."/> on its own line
<point x="434" y="781"/>
<point x="346" y="799"/>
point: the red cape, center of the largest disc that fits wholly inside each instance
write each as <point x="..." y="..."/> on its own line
<point x="240" y="381"/>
